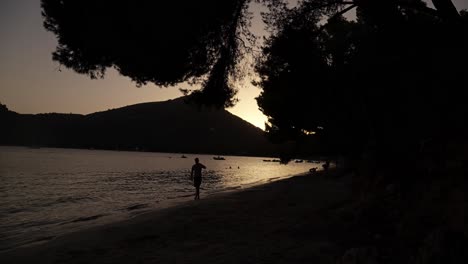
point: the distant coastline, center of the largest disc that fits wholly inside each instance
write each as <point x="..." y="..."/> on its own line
<point x="169" y="126"/>
<point x="137" y="151"/>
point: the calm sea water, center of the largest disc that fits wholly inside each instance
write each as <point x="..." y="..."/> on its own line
<point x="46" y="192"/>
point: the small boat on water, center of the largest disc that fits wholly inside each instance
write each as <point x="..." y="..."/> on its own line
<point x="299" y="161"/>
<point x="273" y="160"/>
<point x="183" y="157"/>
<point x="219" y="158"/>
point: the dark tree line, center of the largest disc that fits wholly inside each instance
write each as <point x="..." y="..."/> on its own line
<point x="388" y="92"/>
<point x="390" y="81"/>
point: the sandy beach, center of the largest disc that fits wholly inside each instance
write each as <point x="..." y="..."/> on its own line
<point x="294" y="220"/>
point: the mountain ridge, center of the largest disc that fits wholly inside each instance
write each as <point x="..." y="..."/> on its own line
<point x="166" y="126"/>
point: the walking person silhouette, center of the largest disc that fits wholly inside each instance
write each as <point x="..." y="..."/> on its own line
<point x="196" y="176"/>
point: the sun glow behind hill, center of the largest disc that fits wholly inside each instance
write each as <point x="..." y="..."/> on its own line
<point x="247" y="107"/>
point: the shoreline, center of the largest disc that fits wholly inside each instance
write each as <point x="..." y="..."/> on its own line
<point x="163" y="205"/>
<point x="141" y="151"/>
<point x="251" y="224"/>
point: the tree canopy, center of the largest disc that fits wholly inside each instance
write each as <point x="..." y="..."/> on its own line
<point x="392" y="75"/>
<point x="163" y="42"/>
<point x="391" y="78"/>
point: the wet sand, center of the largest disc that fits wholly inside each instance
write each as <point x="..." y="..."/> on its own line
<point x="294" y="220"/>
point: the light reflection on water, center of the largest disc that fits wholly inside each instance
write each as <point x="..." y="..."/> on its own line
<point x="48" y="192"/>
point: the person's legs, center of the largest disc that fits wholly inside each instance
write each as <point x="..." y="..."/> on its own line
<point x="197" y="183"/>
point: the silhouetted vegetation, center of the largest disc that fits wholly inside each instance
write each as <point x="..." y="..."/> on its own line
<point x="384" y="91"/>
<point x="163" y="42"/>
<point x="387" y="79"/>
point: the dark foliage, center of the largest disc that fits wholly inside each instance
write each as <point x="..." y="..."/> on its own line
<point x="163" y="42"/>
<point x="388" y="90"/>
<point x="301" y="88"/>
<point x="391" y="79"/>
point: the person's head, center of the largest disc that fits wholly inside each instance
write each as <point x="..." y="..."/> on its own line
<point x="196" y="160"/>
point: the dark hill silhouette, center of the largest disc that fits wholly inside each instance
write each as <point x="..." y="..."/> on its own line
<point x="169" y="126"/>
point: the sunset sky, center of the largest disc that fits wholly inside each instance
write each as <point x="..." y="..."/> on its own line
<point x="30" y="82"/>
